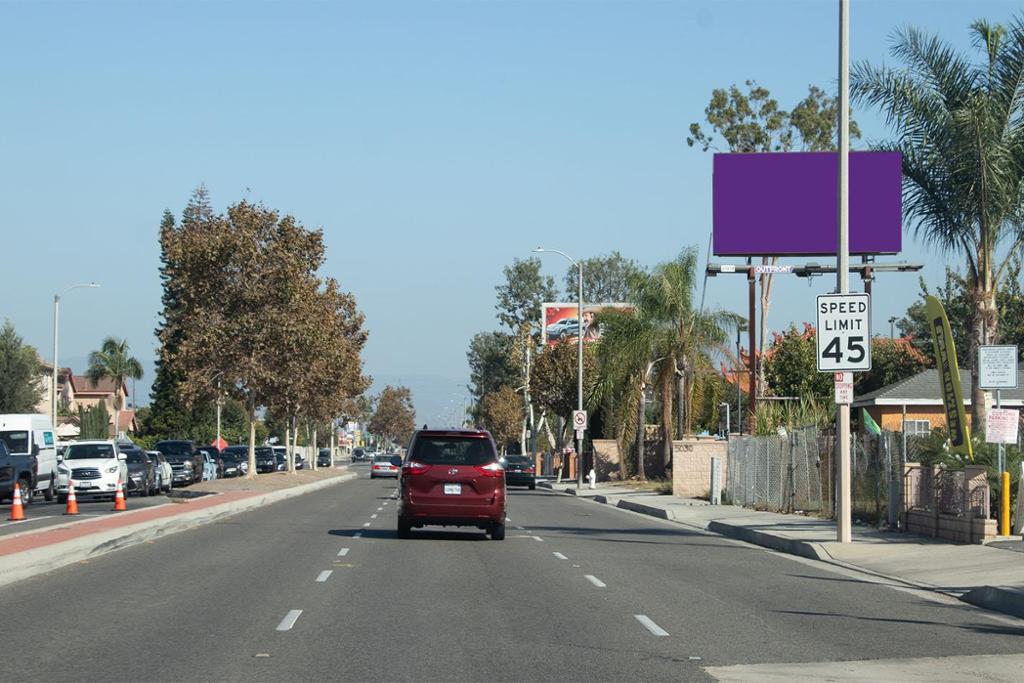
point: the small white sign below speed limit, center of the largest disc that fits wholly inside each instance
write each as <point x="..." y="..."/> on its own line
<point x="844" y="332"/>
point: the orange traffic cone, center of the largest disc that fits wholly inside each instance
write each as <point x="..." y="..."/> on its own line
<point x="72" y="508"/>
<point x="17" y="511"/>
<point x="119" y="503"/>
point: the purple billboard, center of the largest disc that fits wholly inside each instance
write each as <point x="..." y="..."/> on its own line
<point x="786" y="203"/>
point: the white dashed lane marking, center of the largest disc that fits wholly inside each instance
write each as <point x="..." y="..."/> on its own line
<point x="650" y="625"/>
<point x="594" y="580"/>
<point x="343" y="552"/>
<point x="373" y="516"/>
<point x="537" y="538"/>
<point x="324" y="575"/>
<point x="560" y="556"/>
<point x="365" y="524"/>
<point x="289" y="620"/>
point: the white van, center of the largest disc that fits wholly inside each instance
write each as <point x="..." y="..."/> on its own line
<point x="32" y="433"/>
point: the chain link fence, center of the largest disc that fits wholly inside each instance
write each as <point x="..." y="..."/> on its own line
<point x="795" y="472"/>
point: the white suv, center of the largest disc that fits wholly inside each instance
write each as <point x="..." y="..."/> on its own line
<point x="95" y="467"/>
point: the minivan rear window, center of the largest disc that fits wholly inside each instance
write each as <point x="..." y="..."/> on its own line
<point x="452" y="450"/>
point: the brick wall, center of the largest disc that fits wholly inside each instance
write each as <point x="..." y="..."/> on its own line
<point x="691" y="465"/>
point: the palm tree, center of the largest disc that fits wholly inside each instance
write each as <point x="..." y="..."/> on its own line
<point x="959" y="125"/>
<point x="113" y="362"/>
<point x="665" y="342"/>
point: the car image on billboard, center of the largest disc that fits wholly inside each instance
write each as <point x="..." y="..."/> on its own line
<point x="561" y="321"/>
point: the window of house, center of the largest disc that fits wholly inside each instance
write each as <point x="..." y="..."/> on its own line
<point x="917" y="427"/>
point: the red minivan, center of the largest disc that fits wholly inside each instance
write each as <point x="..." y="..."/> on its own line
<point x="452" y="477"/>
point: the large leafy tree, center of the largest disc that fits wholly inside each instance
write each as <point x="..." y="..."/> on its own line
<point x="605" y="278"/>
<point x="553" y="380"/>
<point x="491" y="363"/>
<point x="501" y="413"/>
<point x="521" y="295"/>
<point x="959" y="125"/>
<point x="394" y="420"/>
<point x="114" y="362"/>
<point x="258" y="316"/>
<point x="752" y="121"/>
<point x="20" y="391"/>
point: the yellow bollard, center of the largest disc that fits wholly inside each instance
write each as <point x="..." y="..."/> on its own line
<point x="1004" y="505"/>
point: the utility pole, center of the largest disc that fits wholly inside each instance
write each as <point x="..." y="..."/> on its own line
<point x="843" y="516"/>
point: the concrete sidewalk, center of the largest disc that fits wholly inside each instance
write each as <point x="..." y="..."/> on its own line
<point x="35" y="552"/>
<point x="985" y="576"/>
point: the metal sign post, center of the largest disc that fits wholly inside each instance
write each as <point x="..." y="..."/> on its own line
<point x="843" y="512"/>
<point x="997" y="369"/>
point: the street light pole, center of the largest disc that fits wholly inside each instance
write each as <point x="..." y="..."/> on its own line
<point x="579" y="357"/>
<point x="56" y="339"/>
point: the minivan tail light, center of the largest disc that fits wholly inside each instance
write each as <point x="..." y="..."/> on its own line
<point x="492" y="470"/>
<point x="413" y="467"/>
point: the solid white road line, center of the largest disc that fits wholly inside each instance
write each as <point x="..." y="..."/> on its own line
<point x="560" y="556"/>
<point x="537" y="538"/>
<point x="358" y="534"/>
<point x="343" y="552"/>
<point x="594" y="580"/>
<point x="650" y="625"/>
<point x="289" y="620"/>
<point x="324" y="575"/>
<point x="373" y="516"/>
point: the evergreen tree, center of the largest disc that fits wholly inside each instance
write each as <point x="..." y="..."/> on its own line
<point x="20" y="391"/>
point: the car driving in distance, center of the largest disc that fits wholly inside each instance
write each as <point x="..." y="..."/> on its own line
<point x="519" y="471"/>
<point x="323" y="458"/>
<point x="452" y="478"/>
<point x="358" y="455"/>
<point x="385" y="465"/>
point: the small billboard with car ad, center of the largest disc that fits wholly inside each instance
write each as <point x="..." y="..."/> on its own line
<point x="561" y="321"/>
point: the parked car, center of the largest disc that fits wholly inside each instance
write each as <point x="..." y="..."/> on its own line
<point x="16" y="469"/>
<point x="386" y="466"/>
<point x="32" y="434"/>
<point x="95" y="466"/>
<point x="165" y="479"/>
<point x="266" y="459"/>
<point x="280" y="462"/>
<point x="452" y="478"/>
<point x="358" y="455"/>
<point x="186" y="462"/>
<point x="300" y="460"/>
<point x="210" y="469"/>
<point x="215" y="453"/>
<point x="519" y="471"/>
<point x="323" y="458"/>
<point x="233" y="459"/>
<point x="141" y="471"/>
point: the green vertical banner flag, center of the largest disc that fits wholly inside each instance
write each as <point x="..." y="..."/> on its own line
<point x="869" y="423"/>
<point x="949" y="377"/>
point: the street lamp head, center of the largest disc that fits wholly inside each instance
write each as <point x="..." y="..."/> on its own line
<point x="538" y="250"/>
<point x="93" y="285"/>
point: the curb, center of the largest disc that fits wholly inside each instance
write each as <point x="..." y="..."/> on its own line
<point x="994" y="598"/>
<point x="38" y="561"/>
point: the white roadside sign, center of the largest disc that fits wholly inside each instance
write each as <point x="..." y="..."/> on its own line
<point x="579" y="420"/>
<point x="997" y="367"/>
<point x="844" y="387"/>
<point x="844" y="332"/>
<point x="1001" y="425"/>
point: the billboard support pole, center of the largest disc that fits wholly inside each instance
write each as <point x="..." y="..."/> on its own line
<point x="843" y="516"/>
<point x="579" y="376"/>
<point x="752" y="379"/>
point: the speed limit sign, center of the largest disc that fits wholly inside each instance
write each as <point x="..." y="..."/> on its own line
<point x="844" y="332"/>
<point x="579" y="420"/>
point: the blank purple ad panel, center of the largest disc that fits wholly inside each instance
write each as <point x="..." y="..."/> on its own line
<point x="786" y="203"/>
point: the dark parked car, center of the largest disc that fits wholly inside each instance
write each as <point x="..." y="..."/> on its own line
<point x="358" y="455"/>
<point x="452" y="478"/>
<point x="141" y="471"/>
<point x="323" y="458"/>
<point x="280" y="462"/>
<point x="519" y="471"/>
<point x="235" y="460"/>
<point x="266" y="459"/>
<point x="186" y="461"/>
<point x="16" y="469"/>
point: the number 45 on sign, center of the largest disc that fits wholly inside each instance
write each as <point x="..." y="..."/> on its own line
<point x="844" y="332"/>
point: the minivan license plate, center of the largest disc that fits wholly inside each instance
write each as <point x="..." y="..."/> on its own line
<point x="452" y="489"/>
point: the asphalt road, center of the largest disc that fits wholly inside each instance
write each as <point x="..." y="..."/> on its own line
<point x="318" y="587"/>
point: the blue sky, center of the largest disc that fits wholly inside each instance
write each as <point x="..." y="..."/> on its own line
<point x="433" y="141"/>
